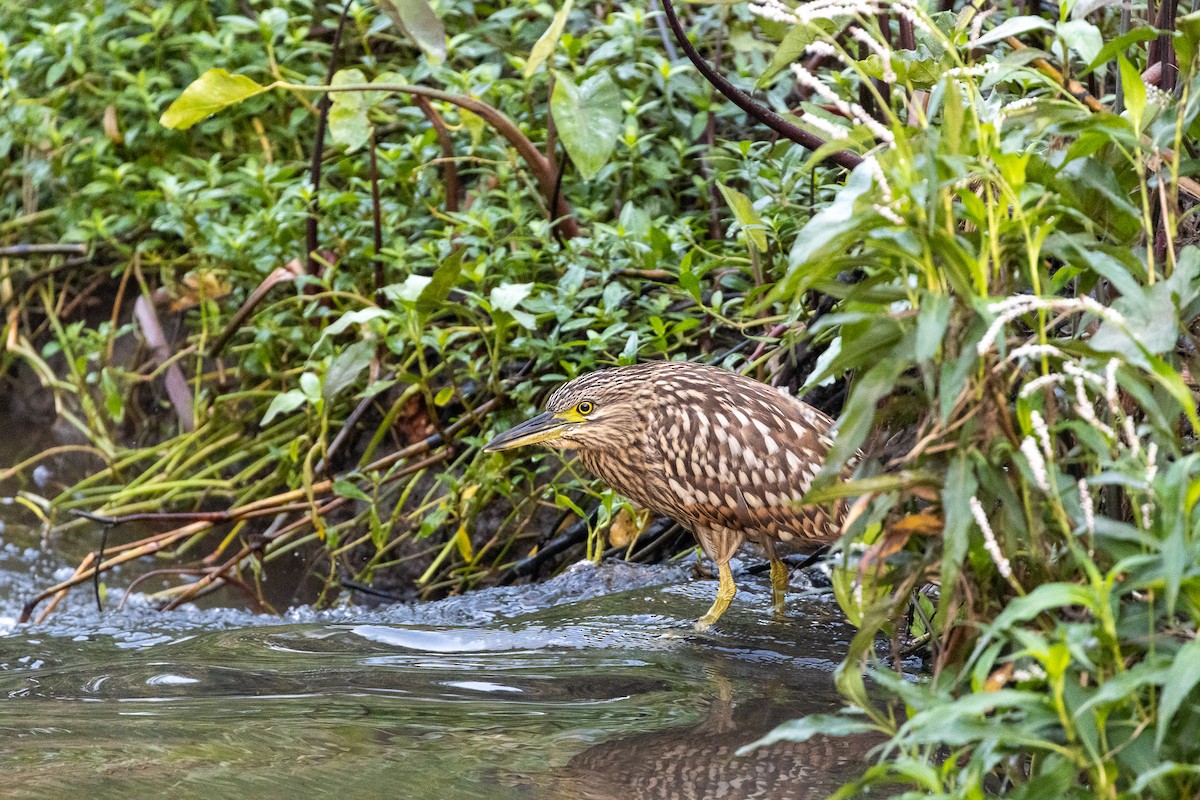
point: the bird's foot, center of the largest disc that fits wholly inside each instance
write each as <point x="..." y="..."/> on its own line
<point x="779" y="584"/>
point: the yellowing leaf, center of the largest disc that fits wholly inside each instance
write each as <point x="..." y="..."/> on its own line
<point x="208" y="94"/>
<point x="463" y="542"/>
<point x="546" y="43"/>
<point x="747" y="217"/>
<point x="417" y="19"/>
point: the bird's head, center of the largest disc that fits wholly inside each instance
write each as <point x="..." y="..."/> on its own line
<point x="598" y="410"/>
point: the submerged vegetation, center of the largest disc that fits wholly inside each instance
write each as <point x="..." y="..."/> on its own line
<point x="399" y="229"/>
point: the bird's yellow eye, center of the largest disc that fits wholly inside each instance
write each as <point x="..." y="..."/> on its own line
<point x="586" y="407"/>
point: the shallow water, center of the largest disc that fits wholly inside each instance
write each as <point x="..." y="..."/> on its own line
<point x="590" y="685"/>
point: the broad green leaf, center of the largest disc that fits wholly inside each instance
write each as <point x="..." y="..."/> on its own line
<point x="444" y="278"/>
<point x="346" y="367"/>
<point x="1083" y="37"/>
<point x="1043" y="598"/>
<point x="1185" y="44"/>
<point x="689" y="281"/>
<point x="747" y="217"/>
<point x="418" y="21"/>
<point x="546" y="43"/>
<point x="832" y="222"/>
<point x="359" y="317"/>
<point x="588" y="118"/>
<point x="1135" y="91"/>
<point x="1119" y="45"/>
<point x="348" y="125"/>
<point x="1013" y="26"/>
<point x="507" y="296"/>
<point x="1181" y="679"/>
<point x="1150" y="321"/>
<point x="629" y="353"/>
<point x="409" y="291"/>
<point x="274" y="20"/>
<point x="208" y="94"/>
<point x="284" y="403"/>
<point x="310" y="384"/>
<point x="348" y="77"/>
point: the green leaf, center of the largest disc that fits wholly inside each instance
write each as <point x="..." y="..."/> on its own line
<point x="1135" y="91"/>
<point x="824" y="231"/>
<point x="1185" y="44"/>
<point x="801" y="730"/>
<point x="444" y="278"/>
<point x="1013" y="26"/>
<point x="507" y="296"/>
<point x="349" y="490"/>
<point x="1083" y="37"/>
<point x="348" y="123"/>
<point x="409" y="291"/>
<point x="418" y="21"/>
<point x="690" y="282"/>
<point x="346" y="367"/>
<point x="360" y="317"/>
<point x="588" y="118"/>
<point x="794" y="43"/>
<point x="1043" y="598"/>
<point x="932" y="321"/>
<point x="284" y="403"/>
<point x="1119" y="45"/>
<point x="876" y="484"/>
<point x="1181" y="678"/>
<point x="208" y="94"/>
<point x="546" y="43"/>
<point x="959" y="488"/>
<point x="349" y="126"/>
<point x="859" y="414"/>
<point x="747" y="217"/>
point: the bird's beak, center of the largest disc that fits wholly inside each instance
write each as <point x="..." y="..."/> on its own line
<point x="542" y="428"/>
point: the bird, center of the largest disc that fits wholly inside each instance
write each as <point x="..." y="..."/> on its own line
<point x="726" y="456"/>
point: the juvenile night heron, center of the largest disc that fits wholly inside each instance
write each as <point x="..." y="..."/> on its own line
<point x="725" y="456"/>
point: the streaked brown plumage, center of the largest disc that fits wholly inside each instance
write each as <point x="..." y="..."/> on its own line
<point x="724" y="455"/>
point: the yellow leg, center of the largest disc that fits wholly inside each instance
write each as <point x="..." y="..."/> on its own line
<point x="779" y="584"/>
<point x="726" y="589"/>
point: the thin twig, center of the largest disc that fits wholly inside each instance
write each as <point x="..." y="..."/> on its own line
<point x="33" y="250"/>
<point x="314" y="204"/>
<point x="450" y="169"/>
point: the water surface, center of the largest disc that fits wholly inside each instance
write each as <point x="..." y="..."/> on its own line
<point x="590" y="686"/>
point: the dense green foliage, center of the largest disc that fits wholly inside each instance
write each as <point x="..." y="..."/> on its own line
<point x="1016" y="306"/>
<point x="205" y="215"/>
<point x="1026" y="306"/>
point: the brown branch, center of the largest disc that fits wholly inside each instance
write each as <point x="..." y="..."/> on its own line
<point x="450" y="171"/>
<point x="376" y="220"/>
<point x="766" y="116"/>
